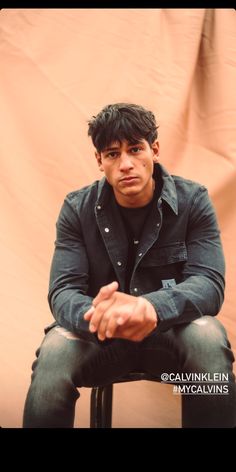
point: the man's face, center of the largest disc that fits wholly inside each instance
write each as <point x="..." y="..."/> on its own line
<point x="128" y="168"/>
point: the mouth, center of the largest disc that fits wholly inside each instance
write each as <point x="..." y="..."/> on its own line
<point x="129" y="179"/>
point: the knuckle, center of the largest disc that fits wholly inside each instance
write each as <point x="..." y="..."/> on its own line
<point x="137" y="337"/>
<point x="142" y="301"/>
<point x="103" y="290"/>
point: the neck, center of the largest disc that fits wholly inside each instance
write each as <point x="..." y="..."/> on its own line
<point x="135" y="201"/>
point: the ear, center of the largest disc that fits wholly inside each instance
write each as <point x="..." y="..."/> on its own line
<point x="99" y="161"/>
<point x="155" y="149"/>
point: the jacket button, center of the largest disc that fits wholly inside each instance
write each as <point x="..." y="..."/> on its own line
<point x="140" y="254"/>
<point x="119" y="263"/>
<point x="135" y="290"/>
<point x="136" y="241"/>
<point x="99" y="207"/>
<point x="158" y="224"/>
<point x="106" y="230"/>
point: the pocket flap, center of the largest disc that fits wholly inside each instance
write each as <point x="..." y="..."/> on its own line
<point x="168" y="254"/>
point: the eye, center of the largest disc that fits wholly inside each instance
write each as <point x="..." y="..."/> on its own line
<point x="135" y="149"/>
<point x="112" y="155"/>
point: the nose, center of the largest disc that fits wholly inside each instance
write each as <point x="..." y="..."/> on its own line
<point x="125" y="163"/>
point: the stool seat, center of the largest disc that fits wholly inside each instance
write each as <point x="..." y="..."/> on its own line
<point x="102" y="395"/>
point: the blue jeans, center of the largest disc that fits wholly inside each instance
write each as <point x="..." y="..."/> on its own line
<point x="65" y="361"/>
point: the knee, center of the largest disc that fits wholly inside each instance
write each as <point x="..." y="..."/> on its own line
<point x="207" y="332"/>
<point x="205" y="342"/>
<point x="52" y="359"/>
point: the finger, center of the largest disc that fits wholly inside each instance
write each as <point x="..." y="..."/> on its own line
<point x="89" y="313"/>
<point x="135" y="317"/>
<point x="126" y="319"/>
<point x="143" y="313"/>
<point x="139" y="310"/>
<point x="108" y="319"/>
<point x="131" y="315"/>
<point x="105" y="292"/>
<point x="148" y="310"/>
<point x="143" y="332"/>
<point x="122" y="316"/>
<point x="136" y="332"/>
<point x="99" y="314"/>
<point x="130" y="333"/>
<point x="142" y="323"/>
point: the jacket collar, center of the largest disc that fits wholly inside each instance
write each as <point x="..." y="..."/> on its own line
<point x="168" y="192"/>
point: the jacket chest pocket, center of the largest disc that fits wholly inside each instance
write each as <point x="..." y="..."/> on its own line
<point x="166" y="261"/>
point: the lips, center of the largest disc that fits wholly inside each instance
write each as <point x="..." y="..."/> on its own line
<point x="128" y="179"/>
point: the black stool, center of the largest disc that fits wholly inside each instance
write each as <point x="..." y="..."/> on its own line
<point x="101" y="399"/>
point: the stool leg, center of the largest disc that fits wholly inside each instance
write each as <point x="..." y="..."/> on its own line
<point x="107" y="406"/>
<point x="101" y="407"/>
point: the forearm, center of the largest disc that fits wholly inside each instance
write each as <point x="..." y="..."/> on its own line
<point x="68" y="307"/>
<point x="195" y="297"/>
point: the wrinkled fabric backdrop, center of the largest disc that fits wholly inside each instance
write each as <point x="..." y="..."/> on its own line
<point x="58" y="67"/>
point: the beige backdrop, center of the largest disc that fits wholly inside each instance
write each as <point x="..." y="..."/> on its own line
<point x="57" y="68"/>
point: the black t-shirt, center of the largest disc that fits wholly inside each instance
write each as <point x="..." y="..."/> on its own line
<point x="134" y="221"/>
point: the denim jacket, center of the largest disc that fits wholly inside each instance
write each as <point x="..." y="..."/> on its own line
<point x="179" y="264"/>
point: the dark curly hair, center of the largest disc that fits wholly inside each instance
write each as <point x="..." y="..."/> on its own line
<point x="122" y="121"/>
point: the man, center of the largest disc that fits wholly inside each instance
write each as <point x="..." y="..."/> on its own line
<point x="136" y="280"/>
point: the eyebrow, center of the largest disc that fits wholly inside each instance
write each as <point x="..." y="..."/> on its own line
<point x="110" y="148"/>
<point x="130" y="143"/>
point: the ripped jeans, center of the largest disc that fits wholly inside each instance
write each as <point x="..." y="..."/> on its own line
<point x="66" y="362"/>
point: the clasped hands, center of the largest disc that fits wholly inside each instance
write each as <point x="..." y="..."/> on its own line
<point x="118" y="315"/>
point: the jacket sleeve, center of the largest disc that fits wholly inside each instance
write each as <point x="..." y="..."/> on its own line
<point x="201" y="291"/>
<point x="68" y="283"/>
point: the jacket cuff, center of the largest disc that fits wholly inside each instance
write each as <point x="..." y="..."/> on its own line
<point x="165" y="308"/>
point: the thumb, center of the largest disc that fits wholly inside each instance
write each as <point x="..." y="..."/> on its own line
<point x="105" y="292"/>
